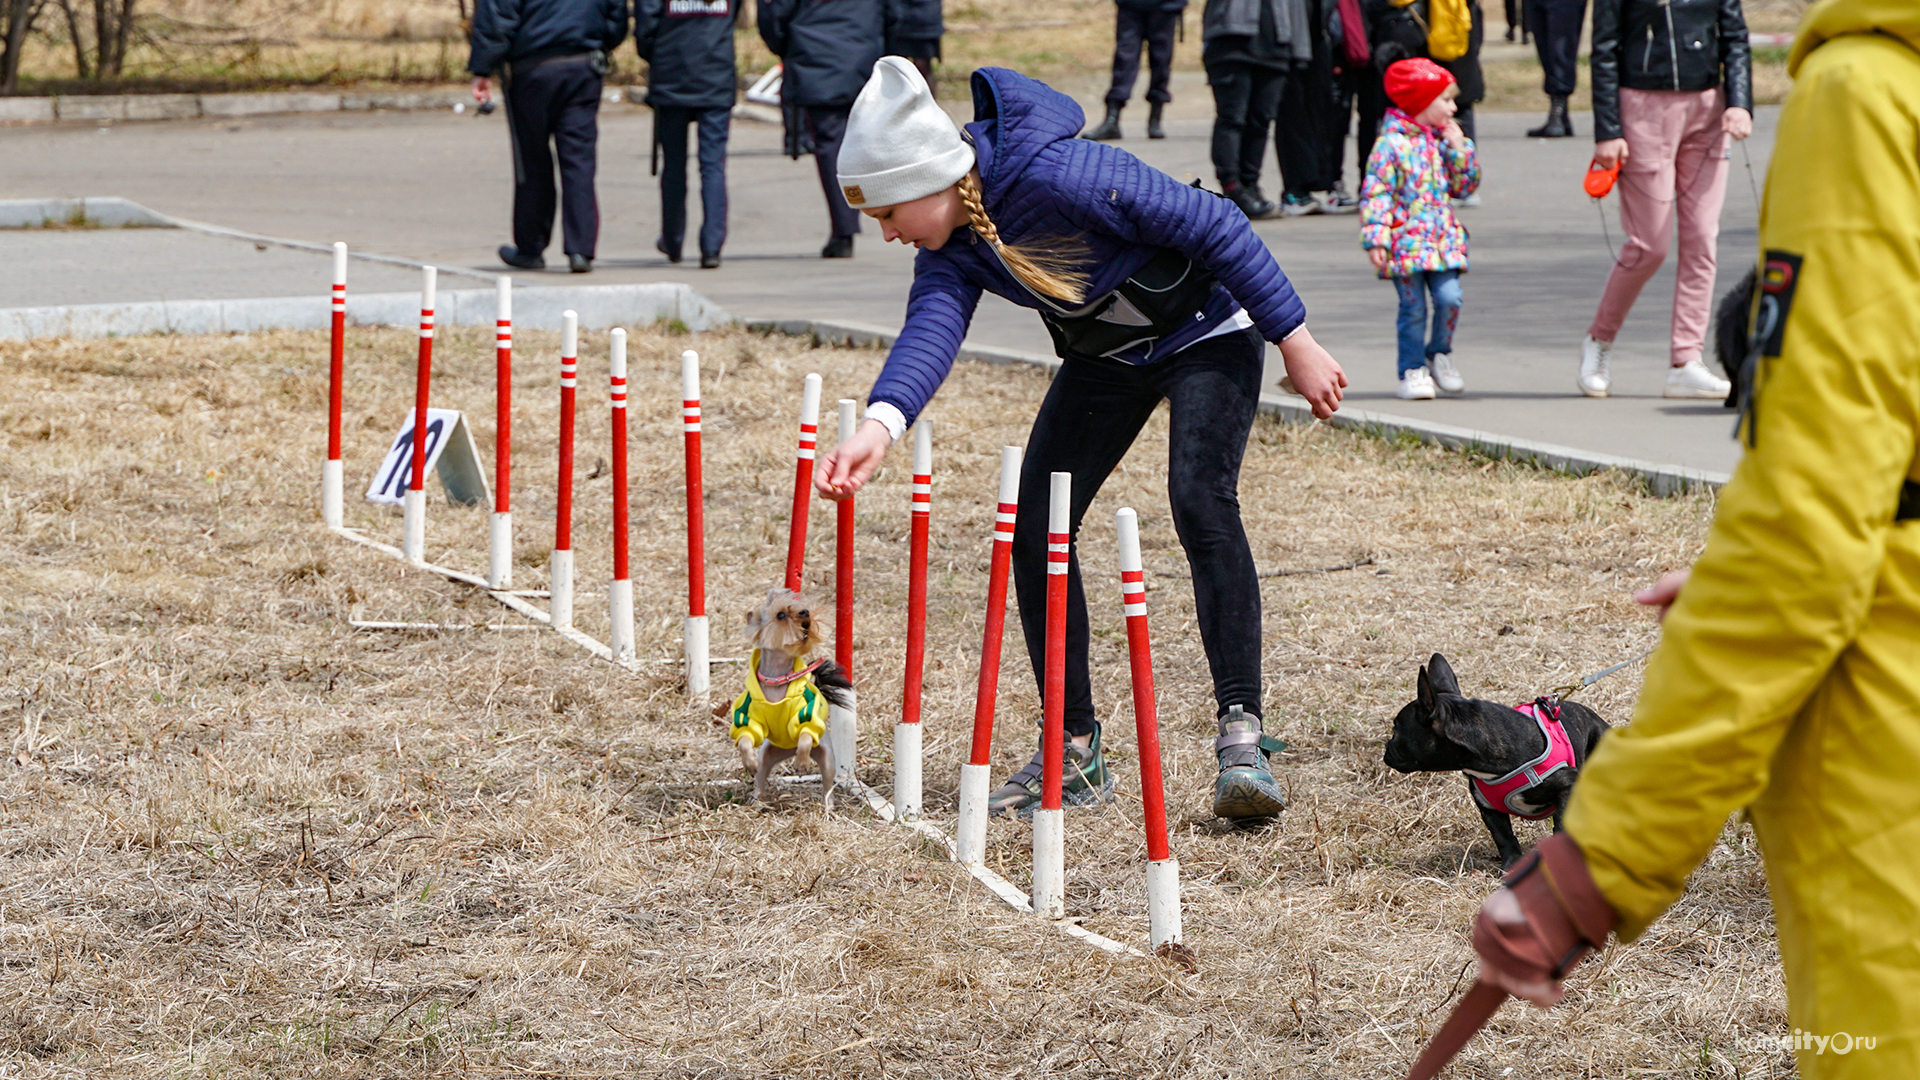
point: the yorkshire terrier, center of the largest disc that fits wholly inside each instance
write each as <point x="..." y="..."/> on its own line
<point x="781" y="714"/>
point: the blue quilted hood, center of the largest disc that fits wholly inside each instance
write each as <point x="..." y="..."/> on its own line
<point x="1015" y="119"/>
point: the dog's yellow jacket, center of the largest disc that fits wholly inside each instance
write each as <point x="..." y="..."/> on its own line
<point x="1788" y="683"/>
<point x="780" y="722"/>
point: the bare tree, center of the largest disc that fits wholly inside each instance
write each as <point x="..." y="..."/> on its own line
<point x="103" y="52"/>
<point x="16" y="20"/>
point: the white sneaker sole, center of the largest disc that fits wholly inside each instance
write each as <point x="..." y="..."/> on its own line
<point x="1695" y="393"/>
<point x="1591" y="392"/>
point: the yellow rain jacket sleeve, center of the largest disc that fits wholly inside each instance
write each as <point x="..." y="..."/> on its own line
<point x="1788" y="682"/>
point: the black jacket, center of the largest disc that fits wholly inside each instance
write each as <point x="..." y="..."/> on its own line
<point x="917" y="20"/>
<point x="688" y="47"/>
<point x="508" y="30"/>
<point x="827" y="48"/>
<point x="1676" y="45"/>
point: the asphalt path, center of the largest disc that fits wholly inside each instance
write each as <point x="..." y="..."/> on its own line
<point x="437" y="187"/>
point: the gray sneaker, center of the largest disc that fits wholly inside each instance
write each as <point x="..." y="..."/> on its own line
<point x="1245" y="789"/>
<point x="1084" y="781"/>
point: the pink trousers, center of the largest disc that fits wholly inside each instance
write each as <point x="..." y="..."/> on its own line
<point x="1676" y="161"/>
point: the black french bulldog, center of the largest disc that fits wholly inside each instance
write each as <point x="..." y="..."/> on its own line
<point x="1441" y="731"/>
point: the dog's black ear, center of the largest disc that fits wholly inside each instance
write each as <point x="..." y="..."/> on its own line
<point x="1442" y="675"/>
<point x="1425" y="697"/>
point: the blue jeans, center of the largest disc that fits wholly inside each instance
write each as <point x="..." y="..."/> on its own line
<point x="713" y="125"/>
<point x="1445" y="287"/>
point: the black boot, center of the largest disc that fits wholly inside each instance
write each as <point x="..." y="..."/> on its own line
<point x="1559" y="125"/>
<point x="1109" y="129"/>
<point x="1248" y="198"/>
<point x="1154" y="130"/>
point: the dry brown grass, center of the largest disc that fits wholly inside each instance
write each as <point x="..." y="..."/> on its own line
<point x="246" y="44"/>
<point x="241" y="839"/>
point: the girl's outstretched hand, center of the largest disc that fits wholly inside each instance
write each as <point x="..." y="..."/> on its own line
<point x="848" y="468"/>
<point x="1314" y="373"/>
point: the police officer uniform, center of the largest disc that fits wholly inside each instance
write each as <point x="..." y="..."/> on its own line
<point x="914" y="29"/>
<point x="1154" y="22"/>
<point x="550" y="57"/>
<point x="688" y="47"/>
<point x="827" y="49"/>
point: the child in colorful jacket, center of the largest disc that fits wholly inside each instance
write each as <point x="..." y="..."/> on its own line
<point x="1421" y="161"/>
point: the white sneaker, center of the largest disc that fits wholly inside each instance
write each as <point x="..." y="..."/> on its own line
<point x="1415" y="385"/>
<point x="1595" y="380"/>
<point x="1444" y="373"/>
<point x="1693" y="380"/>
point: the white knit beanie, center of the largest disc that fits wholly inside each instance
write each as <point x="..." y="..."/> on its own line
<point x="899" y="145"/>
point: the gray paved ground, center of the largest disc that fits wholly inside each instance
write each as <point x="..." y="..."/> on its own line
<point x="437" y="187"/>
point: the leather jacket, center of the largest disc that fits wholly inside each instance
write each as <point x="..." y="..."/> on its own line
<point x="1684" y="45"/>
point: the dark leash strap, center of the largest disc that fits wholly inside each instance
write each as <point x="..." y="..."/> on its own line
<point x="653" y="168"/>
<point x="1561" y="693"/>
<point x="1468" y="1017"/>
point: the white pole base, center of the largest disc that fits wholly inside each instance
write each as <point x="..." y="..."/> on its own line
<point x="699" y="669"/>
<point x="1050" y="864"/>
<point x="560" y="589"/>
<point x="620" y="606"/>
<point x="970" y="834"/>
<point x="413" y="542"/>
<point x="842" y="727"/>
<point x="1163" y="902"/>
<point x="332" y="497"/>
<point x="906" y="771"/>
<point x="500" y="551"/>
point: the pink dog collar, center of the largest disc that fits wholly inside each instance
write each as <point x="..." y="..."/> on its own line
<point x="1503" y="793"/>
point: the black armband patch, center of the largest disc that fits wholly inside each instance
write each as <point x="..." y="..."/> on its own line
<point x="1779" y="277"/>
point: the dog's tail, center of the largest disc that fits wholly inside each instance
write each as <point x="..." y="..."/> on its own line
<point x="834" y="685"/>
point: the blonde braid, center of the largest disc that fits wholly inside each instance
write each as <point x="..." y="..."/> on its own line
<point x="1050" y="267"/>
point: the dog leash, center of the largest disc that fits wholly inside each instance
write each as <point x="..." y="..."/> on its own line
<point x="782" y="680"/>
<point x="1562" y="693"/>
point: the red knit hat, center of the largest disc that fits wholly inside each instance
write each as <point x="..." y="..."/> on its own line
<point x="1413" y="84"/>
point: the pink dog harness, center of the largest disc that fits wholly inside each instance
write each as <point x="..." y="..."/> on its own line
<point x="1503" y="793"/>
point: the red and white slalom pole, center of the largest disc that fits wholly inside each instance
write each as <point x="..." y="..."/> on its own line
<point x="1163" y="870"/>
<point x="843" y="723"/>
<point x="413" y="542"/>
<point x="1049" y="826"/>
<point x="560" y="565"/>
<point x="906" y="734"/>
<point x="500" y="528"/>
<point x="694" y="634"/>
<point x="620" y="593"/>
<point x="803" y="481"/>
<point x="332" y="485"/>
<point x="971" y="833"/>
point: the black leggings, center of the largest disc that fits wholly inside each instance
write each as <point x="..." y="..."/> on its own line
<point x="1090" y="417"/>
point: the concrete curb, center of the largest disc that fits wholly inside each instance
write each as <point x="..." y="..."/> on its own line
<point x="107" y="107"/>
<point x="103" y="212"/>
<point x="599" y="307"/>
<point x="1661" y="480"/>
<point x="81" y="108"/>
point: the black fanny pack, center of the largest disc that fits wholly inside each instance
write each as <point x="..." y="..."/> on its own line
<point x="1164" y="295"/>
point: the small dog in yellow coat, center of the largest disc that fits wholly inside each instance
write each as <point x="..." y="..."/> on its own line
<point x="783" y="711"/>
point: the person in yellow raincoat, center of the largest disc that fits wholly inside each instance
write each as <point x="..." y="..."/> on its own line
<point x="1788" y="683"/>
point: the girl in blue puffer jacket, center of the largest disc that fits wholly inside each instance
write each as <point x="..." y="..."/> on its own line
<point x="1152" y="290"/>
